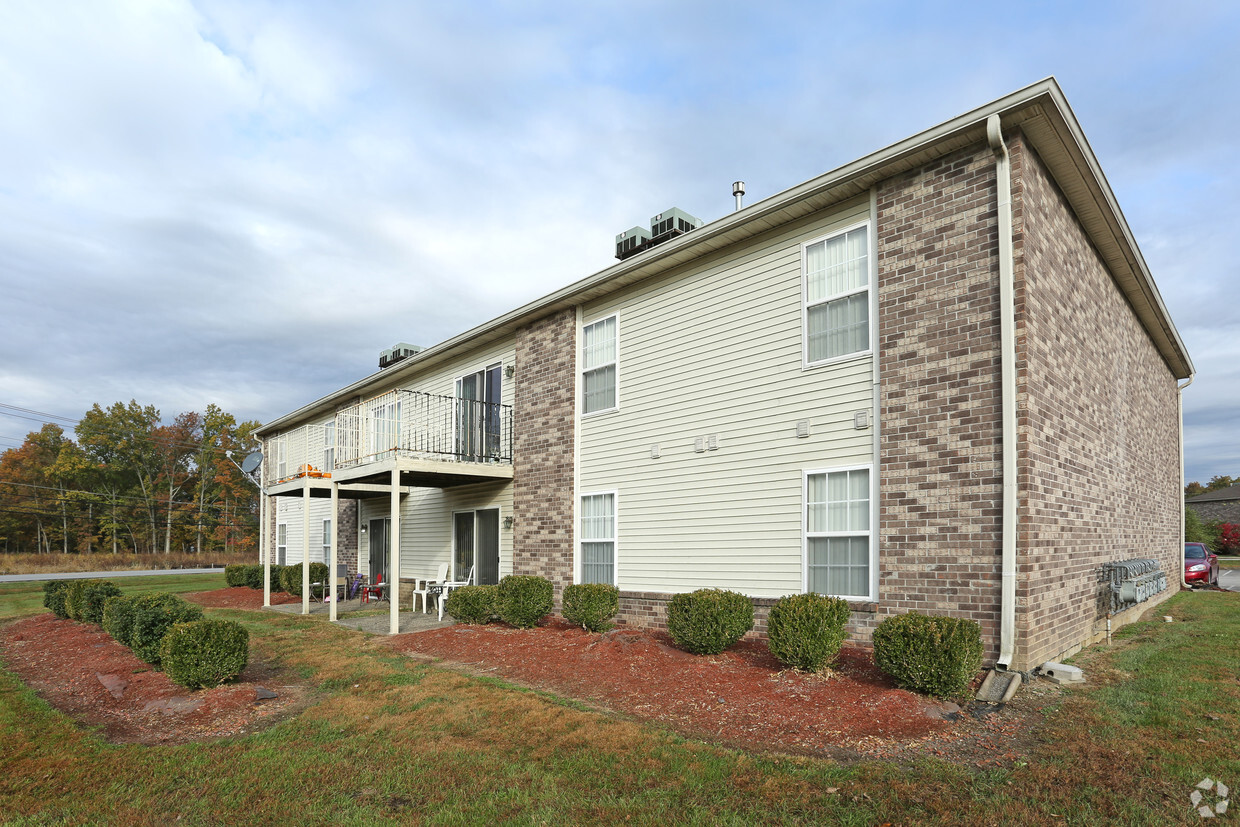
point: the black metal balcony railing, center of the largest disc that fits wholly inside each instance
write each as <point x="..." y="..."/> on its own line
<point x="415" y="424"/>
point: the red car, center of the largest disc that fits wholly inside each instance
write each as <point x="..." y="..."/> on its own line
<point x="1200" y="564"/>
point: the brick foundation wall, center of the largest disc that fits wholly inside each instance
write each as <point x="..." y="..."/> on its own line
<point x="1097" y="410"/>
<point x="347" y="551"/>
<point x="543" y="413"/>
<point x="940" y="497"/>
<point x="648" y="610"/>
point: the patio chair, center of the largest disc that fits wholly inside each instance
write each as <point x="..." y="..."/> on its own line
<point x="453" y="584"/>
<point x="426" y="586"/>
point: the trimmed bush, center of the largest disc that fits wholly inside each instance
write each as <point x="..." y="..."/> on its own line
<point x="54" y="594"/>
<point x="290" y="577"/>
<point x="153" y="615"/>
<point x="118" y="618"/>
<point x="806" y="631"/>
<point x="235" y="575"/>
<point x="277" y="577"/>
<point x="254" y="576"/>
<point x="524" y="599"/>
<point x="936" y="656"/>
<point x="204" y="653"/>
<point x="708" y="621"/>
<point x="592" y="605"/>
<point x="472" y="604"/>
<point x="75" y="599"/>
<point x="94" y="594"/>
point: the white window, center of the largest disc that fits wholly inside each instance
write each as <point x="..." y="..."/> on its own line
<point x="598" y="538"/>
<point x="327" y="540"/>
<point x="281" y="446"/>
<point x="839" y="540"/>
<point x="329" y="446"/>
<point x="282" y="543"/>
<point x="598" y="365"/>
<point x="837" y="295"/>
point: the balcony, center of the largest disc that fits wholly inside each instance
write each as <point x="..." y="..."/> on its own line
<point x="432" y="441"/>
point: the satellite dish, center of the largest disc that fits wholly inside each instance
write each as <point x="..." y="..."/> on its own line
<point x="251" y="462"/>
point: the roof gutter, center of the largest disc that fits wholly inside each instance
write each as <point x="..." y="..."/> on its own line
<point x="1007" y="347"/>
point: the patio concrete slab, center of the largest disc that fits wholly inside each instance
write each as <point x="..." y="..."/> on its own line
<point x="375" y="624"/>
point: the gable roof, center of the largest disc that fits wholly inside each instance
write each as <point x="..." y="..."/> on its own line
<point x="1040" y="110"/>
<point x="1231" y="492"/>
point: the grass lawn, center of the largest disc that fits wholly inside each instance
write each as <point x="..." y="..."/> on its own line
<point x="392" y="741"/>
<point x="17" y="599"/>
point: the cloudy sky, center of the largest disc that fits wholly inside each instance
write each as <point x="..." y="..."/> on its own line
<point x="244" y="202"/>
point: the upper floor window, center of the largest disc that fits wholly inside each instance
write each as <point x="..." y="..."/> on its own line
<point x="329" y="446"/>
<point x="281" y="448"/>
<point x="837" y="295"/>
<point x="598" y="365"/>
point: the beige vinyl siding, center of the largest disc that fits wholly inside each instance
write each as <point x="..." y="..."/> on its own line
<point x="441" y="380"/>
<point x="426" y="525"/>
<point x="717" y="349"/>
<point x="288" y="510"/>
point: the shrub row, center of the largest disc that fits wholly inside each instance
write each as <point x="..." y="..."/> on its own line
<point x="161" y="629"/>
<point x="937" y="656"/>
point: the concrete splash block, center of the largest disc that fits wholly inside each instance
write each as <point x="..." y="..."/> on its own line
<point x="1062" y="672"/>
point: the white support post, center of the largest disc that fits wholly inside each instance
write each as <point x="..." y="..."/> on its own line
<point x="305" y="544"/>
<point x="331" y="569"/>
<point x="264" y="555"/>
<point x="394" y="563"/>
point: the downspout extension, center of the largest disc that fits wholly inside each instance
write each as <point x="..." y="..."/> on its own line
<point x="1007" y="328"/>
<point x="1180" y="396"/>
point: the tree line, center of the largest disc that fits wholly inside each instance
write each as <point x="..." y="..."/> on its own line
<point x="131" y="482"/>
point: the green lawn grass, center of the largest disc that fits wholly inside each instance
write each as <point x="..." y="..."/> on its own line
<point x="393" y="741"/>
<point x="17" y="599"/>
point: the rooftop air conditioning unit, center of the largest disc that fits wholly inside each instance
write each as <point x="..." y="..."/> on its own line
<point x="399" y="351"/>
<point x="631" y="242"/>
<point x="671" y="223"/>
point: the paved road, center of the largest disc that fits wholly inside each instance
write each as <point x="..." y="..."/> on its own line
<point x="1229" y="579"/>
<point x="105" y="575"/>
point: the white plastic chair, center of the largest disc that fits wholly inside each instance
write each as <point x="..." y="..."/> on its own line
<point x="422" y="586"/>
<point x="453" y="584"/>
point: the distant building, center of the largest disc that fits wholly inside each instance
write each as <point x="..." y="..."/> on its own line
<point x="1222" y="505"/>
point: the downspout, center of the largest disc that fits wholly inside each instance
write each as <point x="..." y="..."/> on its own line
<point x="1180" y="394"/>
<point x="1007" y="343"/>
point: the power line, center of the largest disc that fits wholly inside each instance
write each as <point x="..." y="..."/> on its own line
<point x="37" y="413"/>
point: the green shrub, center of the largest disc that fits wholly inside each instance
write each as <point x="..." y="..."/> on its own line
<point x="54" y="594"/>
<point x="708" y="621"/>
<point x="592" y="605"/>
<point x="472" y="604"/>
<point x="94" y="594"/>
<point x="277" y="577"/>
<point x="204" y="653"/>
<point x="290" y="577"/>
<point x="235" y="575"/>
<point x="806" y="631"/>
<point x="75" y="599"/>
<point x="937" y="656"/>
<point x="118" y="618"/>
<point x="524" y="599"/>
<point x="254" y="576"/>
<point x="153" y="615"/>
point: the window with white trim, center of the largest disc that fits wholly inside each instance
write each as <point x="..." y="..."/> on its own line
<point x="598" y="365"/>
<point x="281" y="544"/>
<point x="838" y="535"/>
<point x="329" y="446"/>
<point x="281" y="447"/>
<point x="598" y="538"/>
<point x="837" y="295"/>
<point x="327" y="540"/>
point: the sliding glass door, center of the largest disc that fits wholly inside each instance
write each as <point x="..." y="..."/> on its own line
<point x="475" y="545"/>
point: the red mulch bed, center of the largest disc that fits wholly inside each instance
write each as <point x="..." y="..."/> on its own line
<point x="79" y="669"/>
<point x="239" y="597"/>
<point x="741" y="697"/>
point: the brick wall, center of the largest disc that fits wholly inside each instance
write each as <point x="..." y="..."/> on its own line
<point x="543" y="417"/>
<point x="649" y="610"/>
<point x="1098" y="422"/>
<point x="940" y="498"/>
<point x="347" y="551"/>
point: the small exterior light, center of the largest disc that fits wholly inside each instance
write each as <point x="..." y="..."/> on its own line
<point x="508" y="521"/>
